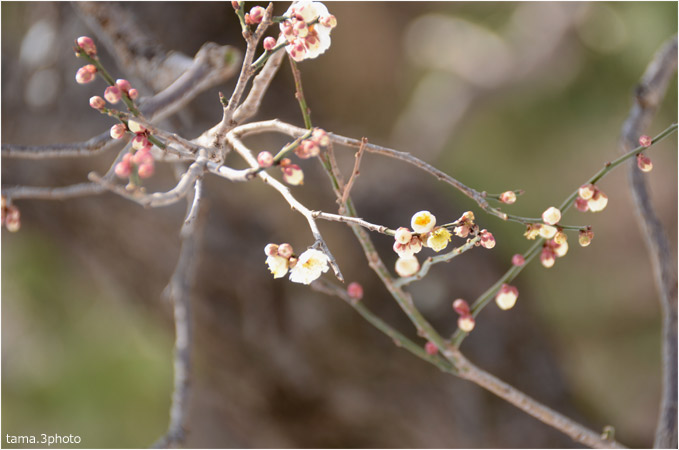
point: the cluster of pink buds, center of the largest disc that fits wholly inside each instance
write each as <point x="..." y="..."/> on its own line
<point x="506" y="297"/>
<point x="11" y="217"/>
<point x="590" y="198"/>
<point x="312" y="146"/>
<point x="508" y="197"/>
<point x="307" y="29"/>
<point x="556" y="247"/>
<point x="466" y="320"/>
<point x="292" y="173"/>
<point x="465" y="225"/>
<point x="304" y="268"/>
<point x="139" y="160"/>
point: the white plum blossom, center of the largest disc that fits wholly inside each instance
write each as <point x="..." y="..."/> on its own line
<point x="277" y="265"/>
<point x="307" y="30"/>
<point x="310" y="265"/>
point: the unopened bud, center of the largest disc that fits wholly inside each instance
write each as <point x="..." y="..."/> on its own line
<point x="645" y="141"/>
<point x="265" y="159"/>
<point x="598" y="202"/>
<point x="285" y="250"/>
<point x="507" y="296"/>
<point x="269" y="43"/>
<point x="508" y="197"/>
<point x="581" y="204"/>
<point x="87" y="44"/>
<point x="118" y="131"/>
<point x="133" y="93"/>
<point x="547" y="258"/>
<point x="403" y="235"/>
<point x="644" y="163"/>
<point x="518" y="260"/>
<point x="487" y="239"/>
<point x="431" y="348"/>
<point x="135" y="126"/>
<point x="123" y="84"/>
<point x="112" y="94"/>
<point x="466" y="323"/>
<point x="86" y="74"/>
<point x="407" y="266"/>
<point x="328" y="21"/>
<point x="13" y="219"/>
<point x="355" y="290"/>
<point x="146" y="170"/>
<point x="461" y="307"/>
<point x="97" y="102"/>
<point x="585" y="237"/>
<point x="271" y="250"/>
<point x="256" y="15"/>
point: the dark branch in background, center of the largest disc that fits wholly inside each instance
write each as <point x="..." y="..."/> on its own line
<point x="179" y="291"/>
<point x="650" y="91"/>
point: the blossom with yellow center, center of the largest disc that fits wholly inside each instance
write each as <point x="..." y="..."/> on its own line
<point x="423" y="222"/>
<point x="310" y="265"/>
<point x="438" y="239"/>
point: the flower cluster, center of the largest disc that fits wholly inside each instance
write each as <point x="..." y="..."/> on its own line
<point x="425" y="233"/>
<point x="590" y="198"/>
<point x="466" y="321"/>
<point x="11" y="217"/>
<point x="304" y="268"/>
<point x="139" y="160"/>
<point x="292" y="173"/>
<point x="556" y="247"/>
<point x="306" y="29"/>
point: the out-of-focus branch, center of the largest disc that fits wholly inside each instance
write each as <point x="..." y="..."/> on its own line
<point x="98" y="144"/>
<point x="260" y="85"/>
<point x="650" y="92"/>
<point x="179" y="290"/>
<point x="575" y="431"/>
<point x="52" y="193"/>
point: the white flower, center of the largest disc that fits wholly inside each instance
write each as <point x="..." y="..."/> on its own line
<point x="310" y="265"/>
<point x="423" y="222"/>
<point x="551" y="216"/>
<point x="407" y="266"/>
<point x="277" y="265"/>
<point x="307" y="30"/>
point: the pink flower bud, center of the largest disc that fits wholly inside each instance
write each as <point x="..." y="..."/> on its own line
<point x="146" y="170"/>
<point x="257" y="14"/>
<point x="133" y="93"/>
<point x="461" y="307"/>
<point x="506" y="296"/>
<point x="123" y="85"/>
<point x="508" y="197"/>
<point x="135" y="126"/>
<point x="97" y="102"/>
<point x="285" y="250"/>
<point x="466" y="323"/>
<point x="644" y="163"/>
<point x="112" y="94"/>
<point x="235" y="4"/>
<point x="518" y="260"/>
<point x="487" y="239"/>
<point x="307" y="149"/>
<point x="140" y="141"/>
<point x="86" y="74"/>
<point x="87" y="44"/>
<point x="547" y="257"/>
<point x="118" y="131"/>
<point x="271" y="250"/>
<point x="265" y="159"/>
<point x="431" y="348"/>
<point x="645" y="141"/>
<point x="269" y="43"/>
<point x="143" y="156"/>
<point x="123" y="169"/>
<point x="355" y="290"/>
<point x="581" y="204"/>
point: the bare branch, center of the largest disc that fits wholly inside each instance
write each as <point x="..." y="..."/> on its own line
<point x="260" y="85"/>
<point x="354" y="175"/>
<point x="352" y="220"/>
<point x="650" y="92"/>
<point x="52" y="193"/>
<point x="91" y="147"/>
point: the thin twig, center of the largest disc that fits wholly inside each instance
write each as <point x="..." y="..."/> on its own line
<point x="399" y="339"/>
<point x="650" y="92"/>
<point x="91" y="147"/>
<point x="353" y="220"/>
<point x="354" y="174"/>
<point x="52" y="193"/>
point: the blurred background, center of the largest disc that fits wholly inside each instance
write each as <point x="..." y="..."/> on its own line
<point x="499" y="95"/>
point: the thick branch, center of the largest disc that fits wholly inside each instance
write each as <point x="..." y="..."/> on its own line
<point x="650" y="92"/>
